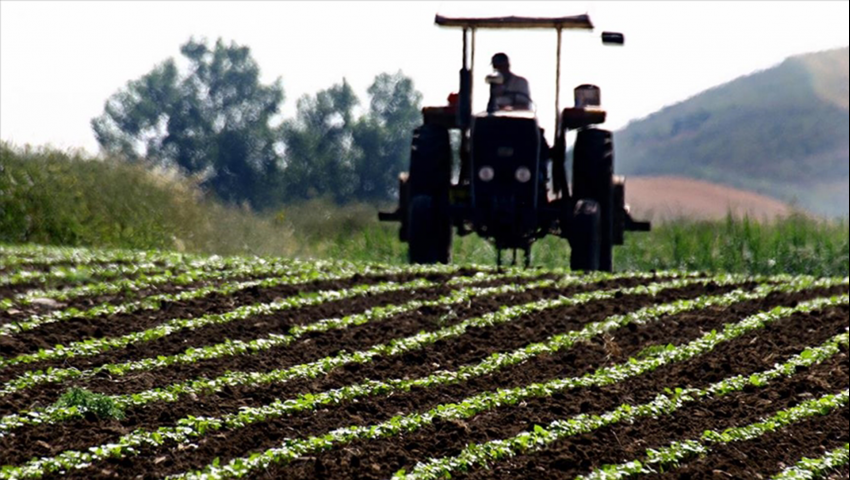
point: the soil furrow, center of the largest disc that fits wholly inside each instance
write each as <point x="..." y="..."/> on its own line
<point x="268" y="360"/>
<point x="581" y="359"/>
<point x="85" y="302"/>
<point x="574" y="456"/>
<point x="770" y="454"/>
<point x="67" y="331"/>
<point x="310" y="348"/>
<point x="369" y="411"/>
<point x="251" y="328"/>
<point x="749" y="354"/>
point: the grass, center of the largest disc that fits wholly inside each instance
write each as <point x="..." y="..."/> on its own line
<point x="66" y="198"/>
<point x="53" y="197"/>
<point x="797" y="244"/>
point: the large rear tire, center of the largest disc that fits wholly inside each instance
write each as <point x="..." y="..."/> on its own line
<point x="429" y="225"/>
<point x="593" y="178"/>
<point x="429" y="233"/>
<point x="584" y="237"/>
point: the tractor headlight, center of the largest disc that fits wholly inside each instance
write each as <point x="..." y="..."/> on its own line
<point x="523" y="175"/>
<point x="486" y="174"/>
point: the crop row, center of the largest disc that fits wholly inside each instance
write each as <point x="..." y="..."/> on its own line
<point x="29" y="255"/>
<point x="481" y="454"/>
<point x="679" y="452"/>
<point x="277" y="275"/>
<point x="295" y="448"/>
<point x="810" y="469"/>
<point x="95" y="346"/>
<point x="77" y="274"/>
<point x="213" y="268"/>
<point x="194" y="427"/>
<point x="134" y="264"/>
<point x="243" y="379"/>
<point x="230" y="348"/>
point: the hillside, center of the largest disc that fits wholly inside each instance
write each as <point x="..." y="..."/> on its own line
<point x="782" y="132"/>
<point x="672" y="198"/>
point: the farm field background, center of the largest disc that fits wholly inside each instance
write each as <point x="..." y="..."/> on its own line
<point x="144" y="364"/>
<point x="61" y="198"/>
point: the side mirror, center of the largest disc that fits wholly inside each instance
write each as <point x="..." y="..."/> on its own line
<point x="613" y="38"/>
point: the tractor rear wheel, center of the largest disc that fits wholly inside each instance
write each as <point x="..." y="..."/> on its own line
<point x="429" y="233"/>
<point x="593" y="178"/>
<point x="429" y="226"/>
<point x="584" y="237"/>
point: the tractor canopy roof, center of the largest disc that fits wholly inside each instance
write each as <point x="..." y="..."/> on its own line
<point x="577" y="22"/>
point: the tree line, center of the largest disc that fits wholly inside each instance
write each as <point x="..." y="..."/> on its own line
<point x="217" y="122"/>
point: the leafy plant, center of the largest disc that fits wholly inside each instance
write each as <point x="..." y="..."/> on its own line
<point x="100" y="405"/>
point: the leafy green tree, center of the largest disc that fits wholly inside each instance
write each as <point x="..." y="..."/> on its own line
<point x="331" y="153"/>
<point x="383" y="136"/>
<point x="319" y="152"/>
<point x="213" y="121"/>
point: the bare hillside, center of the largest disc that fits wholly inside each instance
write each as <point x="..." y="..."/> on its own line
<point x="668" y="197"/>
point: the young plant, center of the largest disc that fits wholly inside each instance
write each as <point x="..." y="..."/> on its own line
<point x="101" y="406"/>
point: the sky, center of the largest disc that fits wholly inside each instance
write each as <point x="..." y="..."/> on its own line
<point x="61" y="60"/>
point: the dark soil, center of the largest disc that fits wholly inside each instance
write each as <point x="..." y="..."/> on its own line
<point x="584" y="358"/>
<point x="83" y="303"/>
<point x="574" y="456"/>
<point x="61" y="333"/>
<point x="309" y="348"/>
<point x="565" y="460"/>
<point x="232" y="399"/>
<point x="770" y="454"/>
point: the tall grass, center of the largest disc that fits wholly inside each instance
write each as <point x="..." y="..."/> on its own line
<point x="796" y="244"/>
<point x="65" y="198"/>
<point x="53" y="197"/>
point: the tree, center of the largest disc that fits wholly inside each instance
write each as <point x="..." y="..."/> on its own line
<point x="319" y="146"/>
<point x="330" y="153"/>
<point x="383" y="136"/>
<point x="214" y="121"/>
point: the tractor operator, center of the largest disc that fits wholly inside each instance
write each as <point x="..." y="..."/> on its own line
<point x="510" y="91"/>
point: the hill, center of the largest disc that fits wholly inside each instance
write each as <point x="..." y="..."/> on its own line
<point x="672" y="198"/>
<point x="781" y="132"/>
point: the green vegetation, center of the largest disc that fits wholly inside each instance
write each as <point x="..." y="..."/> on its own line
<point x="70" y="198"/>
<point x="217" y="122"/>
<point x="781" y="132"/>
<point x="58" y="198"/>
<point x="472" y="406"/>
<point x="465" y="286"/>
<point x="808" y="469"/>
<point x="488" y="453"/>
<point x="101" y="406"/>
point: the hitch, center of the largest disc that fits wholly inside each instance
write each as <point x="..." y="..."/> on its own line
<point x="635" y="226"/>
<point x="390" y="216"/>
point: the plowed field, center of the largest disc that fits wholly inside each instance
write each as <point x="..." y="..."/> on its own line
<point x="143" y="365"/>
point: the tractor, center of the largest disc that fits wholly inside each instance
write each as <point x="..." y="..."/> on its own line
<point x="512" y="189"/>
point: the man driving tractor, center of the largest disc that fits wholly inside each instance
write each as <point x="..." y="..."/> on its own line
<point x="508" y="91"/>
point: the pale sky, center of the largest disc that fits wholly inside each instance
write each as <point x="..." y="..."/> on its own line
<point x="60" y="61"/>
